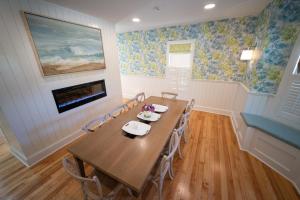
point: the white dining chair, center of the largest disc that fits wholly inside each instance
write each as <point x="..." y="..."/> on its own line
<point x="118" y="110"/>
<point x="91" y="187"/>
<point x="92" y="125"/>
<point x="131" y="103"/>
<point x="166" y="165"/>
<point x="190" y="106"/>
<point x="140" y="97"/>
<point x="188" y="109"/>
<point x="169" y="95"/>
<point x="181" y="130"/>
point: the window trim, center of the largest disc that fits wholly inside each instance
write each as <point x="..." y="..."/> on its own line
<point x="192" y="42"/>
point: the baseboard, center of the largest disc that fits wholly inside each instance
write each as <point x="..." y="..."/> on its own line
<point x="233" y="120"/>
<point x="213" y="110"/>
<point x="42" y="154"/>
<point x="273" y="168"/>
<point x="18" y="155"/>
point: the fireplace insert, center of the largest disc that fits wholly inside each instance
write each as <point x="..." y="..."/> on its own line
<point x="71" y="97"/>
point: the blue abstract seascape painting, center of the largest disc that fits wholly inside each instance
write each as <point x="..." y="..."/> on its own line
<point x="64" y="47"/>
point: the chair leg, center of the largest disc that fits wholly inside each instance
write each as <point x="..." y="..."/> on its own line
<point x="171" y="170"/>
<point x="179" y="151"/>
<point x="129" y="192"/>
<point x="161" y="184"/>
<point x="85" y="196"/>
<point x="170" y="173"/>
<point x="185" y="135"/>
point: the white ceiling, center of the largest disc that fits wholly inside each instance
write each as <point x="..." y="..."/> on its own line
<point x="171" y="12"/>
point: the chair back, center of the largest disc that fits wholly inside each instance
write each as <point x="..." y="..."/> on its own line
<point x="167" y="159"/>
<point x="169" y="95"/>
<point x="190" y="106"/>
<point x="183" y="123"/>
<point x="95" y="123"/>
<point x="132" y="102"/>
<point x="118" y="110"/>
<point x="72" y="169"/>
<point x="140" y="97"/>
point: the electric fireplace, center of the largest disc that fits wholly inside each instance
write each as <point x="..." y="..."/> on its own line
<point x="71" y="97"/>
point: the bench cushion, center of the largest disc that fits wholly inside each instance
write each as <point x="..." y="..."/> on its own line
<point x="276" y="129"/>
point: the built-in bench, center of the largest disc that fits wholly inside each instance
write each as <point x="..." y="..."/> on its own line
<point x="272" y="142"/>
<point x="276" y="129"/>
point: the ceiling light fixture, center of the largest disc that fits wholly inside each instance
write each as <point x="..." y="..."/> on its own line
<point x="135" y="19"/>
<point x="209" y="6"/>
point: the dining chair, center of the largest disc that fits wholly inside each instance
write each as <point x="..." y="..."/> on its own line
<point x="91" y="187"/>
<point x="188" y="109"/>
<point x="117" y="111"/>
<point x="140" y="97"/>
<point x="190" y="106"/>
<point x="92" y="125"/>
<point x="166" y="164"/>
<point x="181" y="130"/>
<point x="169" y="95"/>
<point x="131" y="103"/>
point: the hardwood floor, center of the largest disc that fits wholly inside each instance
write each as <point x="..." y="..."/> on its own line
<point x="213" y="167"/>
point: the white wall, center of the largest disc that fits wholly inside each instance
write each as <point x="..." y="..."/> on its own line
<point x="25" y="96"/>
<point x="209" y="95"/>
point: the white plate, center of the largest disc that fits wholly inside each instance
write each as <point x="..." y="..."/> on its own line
<point x="136" y="128"/>
<point x="160" y="108"/>
<point x="154" y="117"/>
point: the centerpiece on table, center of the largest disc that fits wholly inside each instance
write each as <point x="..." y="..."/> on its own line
<point x="148" y="109"/>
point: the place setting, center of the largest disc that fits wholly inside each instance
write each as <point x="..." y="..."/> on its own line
<point x="149" y="113"/>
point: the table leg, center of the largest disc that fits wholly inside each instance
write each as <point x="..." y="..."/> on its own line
<point x="81" y="166"/>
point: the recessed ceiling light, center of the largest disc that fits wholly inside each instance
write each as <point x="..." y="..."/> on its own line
<point x="209" y="6"/>
<point x="135" y="19"/>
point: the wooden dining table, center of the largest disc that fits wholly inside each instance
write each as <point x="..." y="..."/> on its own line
<point x="128" y="160"/>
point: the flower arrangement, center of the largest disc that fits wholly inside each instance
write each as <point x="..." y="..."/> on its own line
<point x="147" y="110"/>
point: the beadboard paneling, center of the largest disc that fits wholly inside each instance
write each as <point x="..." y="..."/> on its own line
<point x="209" y="95"/>
<point x="26" y="99"/>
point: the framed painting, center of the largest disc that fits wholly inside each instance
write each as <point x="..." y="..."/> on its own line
<point x="63" y="47"/>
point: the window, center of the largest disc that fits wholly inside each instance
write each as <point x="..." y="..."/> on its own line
<point x="180" y="54"/>
<point x="179" y="66"/>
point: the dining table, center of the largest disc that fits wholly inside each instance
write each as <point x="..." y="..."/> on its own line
<point x="128" y="160"/>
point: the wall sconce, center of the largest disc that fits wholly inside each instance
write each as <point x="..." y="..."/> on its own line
<point x="246" y="54"/>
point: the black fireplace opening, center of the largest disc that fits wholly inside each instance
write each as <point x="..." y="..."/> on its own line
<point x="71" y="97"/>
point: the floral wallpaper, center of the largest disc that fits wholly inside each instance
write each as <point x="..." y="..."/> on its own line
<point x="277" y="29"/>
<point x="218" y="46"/>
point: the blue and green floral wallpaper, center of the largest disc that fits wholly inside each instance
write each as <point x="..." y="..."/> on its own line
<point x="277" y="29"/>
<point x="218" y="46"/>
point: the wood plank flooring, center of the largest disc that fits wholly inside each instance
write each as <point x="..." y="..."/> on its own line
<point x="213" y="168"/>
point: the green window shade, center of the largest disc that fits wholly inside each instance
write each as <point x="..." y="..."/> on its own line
<point x="180" y="48"/>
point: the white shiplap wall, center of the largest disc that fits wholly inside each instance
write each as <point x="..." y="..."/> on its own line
<point x="214" y="96"/>
<point x="221" y="97"/>
<point x="25" y="95"/>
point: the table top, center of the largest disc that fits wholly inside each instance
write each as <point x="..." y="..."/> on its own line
<point x="129" y="160"/>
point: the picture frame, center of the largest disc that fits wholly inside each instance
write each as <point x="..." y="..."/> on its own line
<point x="63" y="47"/>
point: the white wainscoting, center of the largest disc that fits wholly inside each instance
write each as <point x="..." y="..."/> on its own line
<point x="230" y="98"/>
<point x="210" y="96"/>
<point x="26" y="100"/>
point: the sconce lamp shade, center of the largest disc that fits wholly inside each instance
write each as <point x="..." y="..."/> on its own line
<point x="246" y="55"/>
